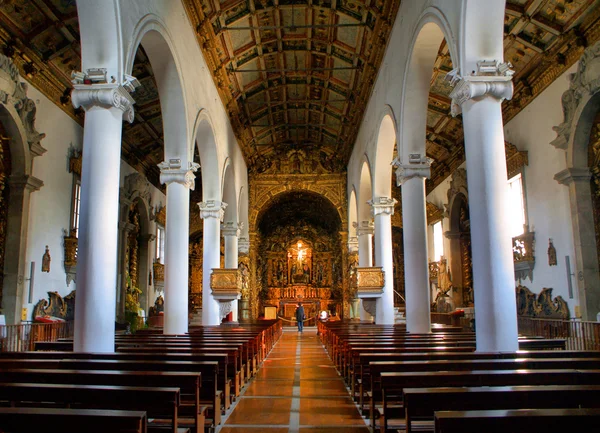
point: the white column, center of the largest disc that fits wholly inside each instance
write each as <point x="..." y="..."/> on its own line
<point x="364" y="233"/>
<point x="414" y="222"/>
<point x="179" y="181"/>
<point x="211" y="211"/>
<point x="105" y="106"/>
<point x="231" y="232"/>
<point x="383" y="209"/>
<point x="480" y="96"/>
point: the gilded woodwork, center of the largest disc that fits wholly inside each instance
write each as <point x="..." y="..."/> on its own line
<point x="543" y="306"/>
<point x="465" y="255"/>
<point x="524" y="254"/>
<point x="398" y="260"/>
<point x="369" y="281"/>
<point x="159" y="272"/>
<point x="515" y="159"/>
<point x="225" y="284"/>
<point x="434" y="213"/>
<point x="5" y="171"/>
<point x="195" y="273"/>
<point x="132" y="254"/>
<point x="75" y="162"/>
<point x="63" y="308"/>
<point x="594" y="164"/>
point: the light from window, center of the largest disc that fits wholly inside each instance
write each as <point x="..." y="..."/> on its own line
<point x="438" y="241"/>
<point x="75" y="207"/>
<point x="160" y="244"/>
<point x="516" y="206"/>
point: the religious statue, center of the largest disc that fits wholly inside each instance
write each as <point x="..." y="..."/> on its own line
<point x="306" y="273"/>
<point x="46" y="260"/>
<point x="443" y="301"/>
<point x="320" y="273"/>
<point x="551" y="254"/>
<point x="244" y="272"/>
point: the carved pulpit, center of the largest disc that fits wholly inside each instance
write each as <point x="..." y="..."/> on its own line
<point x="369" y="282"/>
<point x="226" y="285"/>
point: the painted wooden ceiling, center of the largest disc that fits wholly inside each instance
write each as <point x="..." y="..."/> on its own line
<point x="295" y="75"/>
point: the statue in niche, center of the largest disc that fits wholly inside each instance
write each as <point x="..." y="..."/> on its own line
<point x="46" y="260"/>
<point x="320" y="272"/>
<point x="551" y="254"/>
<point x="305" y="273"/>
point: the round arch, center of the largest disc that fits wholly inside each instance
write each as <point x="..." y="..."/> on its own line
<point x="229" y="193"/>
<point x="431" y="31"/>
<point x="207" y="149"/>
<point x="352" y="214"/>
<point x="157" y="42"/>
<point x="384" y="154"/>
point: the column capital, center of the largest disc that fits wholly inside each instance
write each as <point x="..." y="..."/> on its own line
<point x="212" y="209"/>
<point x="570" y="175"/>
<point x="103" y="95"/>
<point x="353" y="245"/>
<point x="243" y="245"/>
<point x="364" y="228"/>
<point x="172" y="171"/>
<point x="382" y="205"/>
<point x="418" y="166"/>
<point x="25" y="182"/>
<point x="230" y="228"/>
<point x="491" y="79"/>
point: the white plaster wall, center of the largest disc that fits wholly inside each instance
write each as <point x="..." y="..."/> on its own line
<point x="50" y="207"/>
<point x="548" y="205"/>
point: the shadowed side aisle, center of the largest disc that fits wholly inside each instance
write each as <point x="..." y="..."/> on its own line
<point x="297" y="390"/>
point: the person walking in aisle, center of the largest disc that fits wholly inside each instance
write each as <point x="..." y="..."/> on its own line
<point x="300" y="317"/>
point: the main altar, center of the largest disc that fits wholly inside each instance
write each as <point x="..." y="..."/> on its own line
<point x="302" y="272"/>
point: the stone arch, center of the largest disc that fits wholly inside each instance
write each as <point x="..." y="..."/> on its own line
<point x="17" y="116"/>
<point x="430" y="32"/>
<point x="154" y="37"/>
<point x="581" y="104"/>
<point x="384" y="151"/>
<point x="207" y="149"/>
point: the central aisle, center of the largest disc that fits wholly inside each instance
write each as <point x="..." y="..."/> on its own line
<point x="297" y="390"/>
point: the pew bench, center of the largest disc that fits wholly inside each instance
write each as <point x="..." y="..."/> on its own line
<point x="49" y="420"/>
<point x="160" y="404"/>
<point x="420" y="404"/>
<point x="518" y="421"/>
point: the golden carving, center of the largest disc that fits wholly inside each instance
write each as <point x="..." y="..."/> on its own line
<point x="515" y="159"/>
<point x="532" y="305"/>
<point x="161" y="216"/>
<point x="594" y="164"/>
<point x="369" y="280"/>
<point x="75" y="162"/>
<point x="5" y="171"/>
<point x="433" y="271"/>
<point x="63" y="308"/>
<point x="226" y="283"/>
<point x="71" y="249"/>
<point x="159" y="272"/>
<point x="196" y="273"/>
<point x="434" y="213"/>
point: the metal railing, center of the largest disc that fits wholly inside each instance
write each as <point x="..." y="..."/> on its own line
<point x="579" y="335"/>
<point x="22" y="337"/>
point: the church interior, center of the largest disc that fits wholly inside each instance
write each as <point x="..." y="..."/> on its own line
<point x="422" y="176"/>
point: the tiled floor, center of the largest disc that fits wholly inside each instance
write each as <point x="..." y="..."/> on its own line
<point x="297" y="390"/>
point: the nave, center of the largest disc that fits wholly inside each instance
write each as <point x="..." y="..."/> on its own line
<point x="296" y="390"/>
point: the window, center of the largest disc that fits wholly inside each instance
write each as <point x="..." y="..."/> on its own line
<point x="516" y="206"/>
<point x="76" y="202"/>
<point x="438" y="241"/>
<point x="160" y="244"/>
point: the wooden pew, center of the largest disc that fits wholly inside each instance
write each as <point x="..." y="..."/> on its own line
<point x="159" y="403"/>
<point x="188" y="382"/>
<point x="522" y="420"/>
<point x="422" y="403"/>
<point x="48" y="420"/>
<point x="393" y="383"/>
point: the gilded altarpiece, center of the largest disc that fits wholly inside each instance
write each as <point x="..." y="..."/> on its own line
<point x="132" y="254"/>
<point x="5" y="170"/>
<point x="264" y="188"/>
<point x="195" y="274"/>
<point x="302" y="263"/>
<point x="594" y="164"/>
